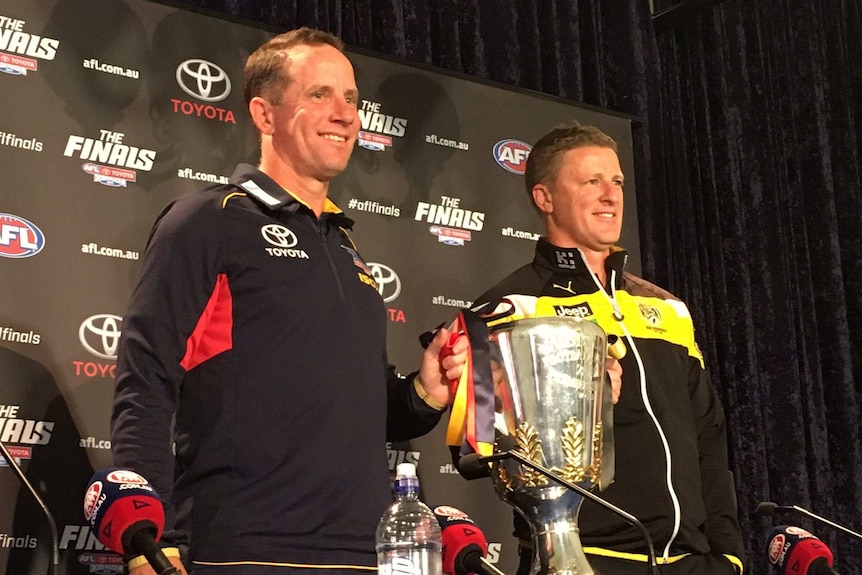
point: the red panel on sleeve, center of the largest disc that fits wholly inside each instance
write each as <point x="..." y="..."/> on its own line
<point x="213" y="333"/>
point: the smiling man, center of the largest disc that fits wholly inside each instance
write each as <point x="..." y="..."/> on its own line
<point x="252" y="386"/>
<point x="668" y="425"/>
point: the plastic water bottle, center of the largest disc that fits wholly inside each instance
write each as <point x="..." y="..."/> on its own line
<point x="408" y="535"/>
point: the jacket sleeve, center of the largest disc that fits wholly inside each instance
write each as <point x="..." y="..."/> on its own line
<point x="408" y="415"/>
<point x="178" y="275"/>
<point x="717" y="484"/>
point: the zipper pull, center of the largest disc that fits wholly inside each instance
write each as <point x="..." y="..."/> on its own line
<point x="618" y="314"/>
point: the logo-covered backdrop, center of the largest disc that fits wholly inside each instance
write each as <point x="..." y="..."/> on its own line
<point x="114" y="107"/>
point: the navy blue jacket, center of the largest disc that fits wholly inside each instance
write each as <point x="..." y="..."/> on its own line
<point x="259" y="327"/>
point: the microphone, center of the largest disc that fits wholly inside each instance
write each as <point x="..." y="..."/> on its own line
<point x="795" y="551"/>
<point x="765" y="508"/>
<point x="464" y="544"/>
<point x="54" y="565"/>
<point x="474" y="462"/>
<point x="127" y="516"/>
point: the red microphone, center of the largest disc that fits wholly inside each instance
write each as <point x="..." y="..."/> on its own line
<point x="464" y="544"/>
<point x="795" y="551"/>
<point x="127" y="516"/>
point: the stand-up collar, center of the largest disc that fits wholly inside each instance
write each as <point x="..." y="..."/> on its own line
<point x="271" y="195"/>
<point x="571" y="261"/>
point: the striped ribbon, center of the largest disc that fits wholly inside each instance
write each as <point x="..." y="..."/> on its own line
<point x="471" y="421"/>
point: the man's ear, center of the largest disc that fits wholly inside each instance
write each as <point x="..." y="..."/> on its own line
<point x="543" y="198"/>
<point x="261" y="114"/>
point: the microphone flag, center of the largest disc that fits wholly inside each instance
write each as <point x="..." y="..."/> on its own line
<point x="793" y="549"/>
<point x="117" y="499"/>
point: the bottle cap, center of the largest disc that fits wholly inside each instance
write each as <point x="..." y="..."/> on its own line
<point x="405" y="470"/>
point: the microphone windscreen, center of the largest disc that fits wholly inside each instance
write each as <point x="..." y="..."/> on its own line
<point x="793" y="550"/>
<point x="461" y="537"/>
<point x="765" y="508"/>
<point x="118" y="499"/>
<point x="470" y="463"/>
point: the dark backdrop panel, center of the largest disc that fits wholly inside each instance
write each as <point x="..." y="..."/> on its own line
<point x="113" y="108"/>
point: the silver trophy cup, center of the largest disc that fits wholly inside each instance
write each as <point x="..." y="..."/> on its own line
<point x="548" y="380"/>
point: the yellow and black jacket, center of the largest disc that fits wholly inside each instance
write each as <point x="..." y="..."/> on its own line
<point x="669" y="427"/>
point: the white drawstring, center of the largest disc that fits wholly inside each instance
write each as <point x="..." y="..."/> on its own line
<point x="619" y="317"/>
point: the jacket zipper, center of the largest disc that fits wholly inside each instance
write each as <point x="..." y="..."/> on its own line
<point x="618" y="317"/>
<point x="321" y="230"/>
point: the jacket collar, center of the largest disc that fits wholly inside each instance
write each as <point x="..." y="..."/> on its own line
<point x="267" y="192"/>
<point x="571" y="262"/>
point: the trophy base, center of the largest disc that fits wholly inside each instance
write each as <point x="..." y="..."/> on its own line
<point x="559" y="552"/>
<point x="555" y="536"/>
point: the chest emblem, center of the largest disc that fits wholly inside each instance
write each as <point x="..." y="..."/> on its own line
<point x="283" y="240"/>
<point x="650" y="314"/>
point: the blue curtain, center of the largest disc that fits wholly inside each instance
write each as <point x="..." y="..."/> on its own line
<point x="761" y="210"/>
<point x="749" y="199"/>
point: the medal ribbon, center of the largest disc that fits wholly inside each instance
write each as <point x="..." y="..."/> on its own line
<point x="471" y="421"/>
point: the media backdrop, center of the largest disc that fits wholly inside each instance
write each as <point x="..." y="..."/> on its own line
<point x="111" y="108"/>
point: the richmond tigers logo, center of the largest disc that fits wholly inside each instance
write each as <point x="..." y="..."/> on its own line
<point x="650" y="314"/>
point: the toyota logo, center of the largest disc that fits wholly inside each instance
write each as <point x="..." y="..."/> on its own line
<point x="279" y="235"/>
<point x="387" y="280"/>
<point x="100" y="335"/>
<point x="203" y="80"/>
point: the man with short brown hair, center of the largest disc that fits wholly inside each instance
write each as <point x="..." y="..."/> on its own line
<point x="256" y="330"/>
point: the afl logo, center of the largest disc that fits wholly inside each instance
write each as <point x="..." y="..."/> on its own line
<point x="125" y="476"/>
<point x="512" y="155"/>
<point x="19" y="238"/>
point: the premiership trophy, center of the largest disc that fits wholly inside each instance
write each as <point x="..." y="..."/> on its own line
<point x="548" y="377"/>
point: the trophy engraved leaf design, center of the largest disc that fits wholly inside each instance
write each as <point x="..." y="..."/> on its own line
<point x="596" y="467"/>
<point x="574" y="447"/>
<point x="528" y="442"/>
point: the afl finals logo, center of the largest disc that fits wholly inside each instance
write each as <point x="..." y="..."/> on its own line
<point x="203" y="80"/>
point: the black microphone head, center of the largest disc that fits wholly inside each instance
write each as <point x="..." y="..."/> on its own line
<point x="821" y="566"/>
<point x="471" y="463"/>
<point x="765" y="508"/>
